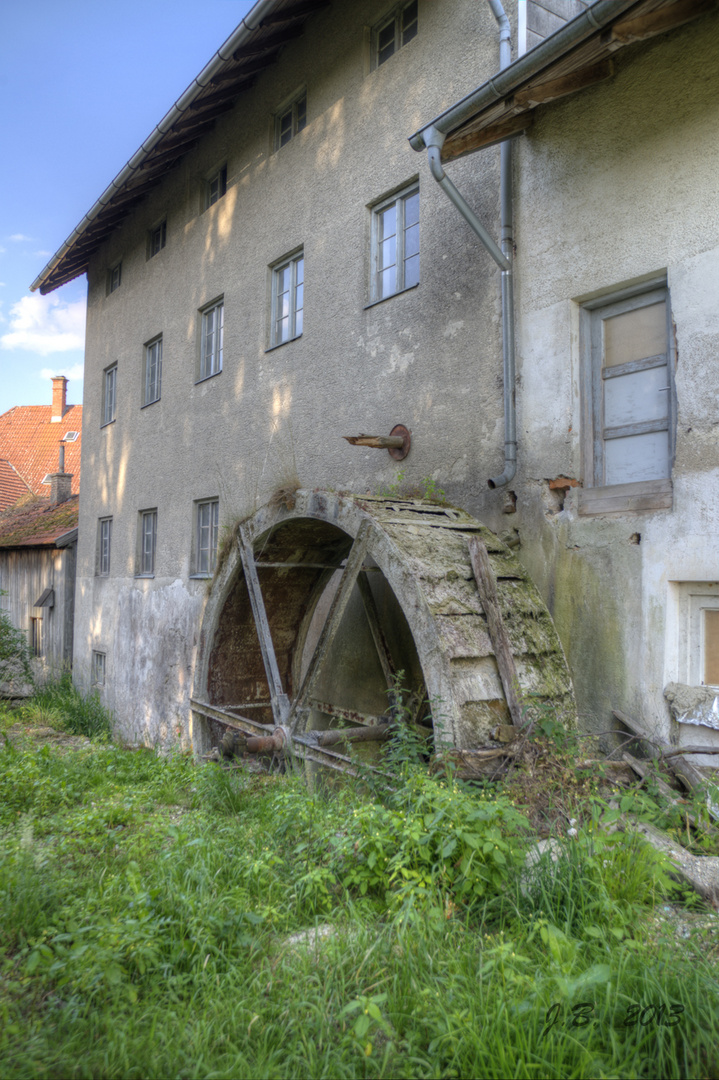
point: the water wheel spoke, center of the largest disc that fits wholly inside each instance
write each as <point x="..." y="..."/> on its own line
<point x="332" y="623"/>
<point x="278" y="698"/>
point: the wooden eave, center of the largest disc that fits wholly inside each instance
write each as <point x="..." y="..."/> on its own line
<point x="238" y="74"/>
<point x="586" y="63"/>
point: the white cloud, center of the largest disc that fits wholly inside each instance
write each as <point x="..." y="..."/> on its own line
<point x="19" y="237"/>
<point x="74" y="374"/>
<point x="44" y="324"/>
<point x="42" y="254"/>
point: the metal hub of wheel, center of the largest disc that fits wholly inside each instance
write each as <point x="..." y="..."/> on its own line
<point x="317" y="609"/>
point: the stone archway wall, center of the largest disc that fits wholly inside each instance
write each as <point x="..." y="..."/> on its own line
<point x="422" y="552"/>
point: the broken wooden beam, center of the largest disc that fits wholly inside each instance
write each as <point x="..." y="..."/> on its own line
<point x="684" y="771"/>
<point x="487" y="588"/>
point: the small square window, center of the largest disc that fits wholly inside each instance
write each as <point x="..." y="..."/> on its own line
<point x="396" y="29"/>
<point x="70" y="436"/>
<point x="288" y="288"/>
<point x="98" y="668"/>
<point x="290" y="120"/>
<point x="207" y="526"/>
<point x="104" y="540"/>
<point x="156" y="240"/>
<point x="147" y="543"/>
<point x="109" y="394"/>
<point x="153" y="372"/>
<point x="114" y="278"/>
<point x="211" y="336"/>
<point x="215" y="187"/>
<point x="395" y="244"/>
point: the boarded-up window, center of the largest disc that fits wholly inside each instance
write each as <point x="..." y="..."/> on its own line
<point x="631" y="390"/>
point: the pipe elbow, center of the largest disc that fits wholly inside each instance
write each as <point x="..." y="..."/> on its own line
<point x="504" y="478"/>
<point x="435" y="163"/>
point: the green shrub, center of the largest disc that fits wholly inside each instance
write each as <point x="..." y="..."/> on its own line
<point x="60" y="703"/>
<point x="14" y="649"/>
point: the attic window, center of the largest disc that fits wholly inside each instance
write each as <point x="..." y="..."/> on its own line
<point x="215" y="187"/>
<point x="396" y="30"/>
<point x="69" y="436"/>
<point x="47" y="479"/>
<point x="291" y="119"/>
<point x="156" y="240"/>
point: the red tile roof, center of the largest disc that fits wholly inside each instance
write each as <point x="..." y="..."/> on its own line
<point x="31" y="443"/>
<point x="37" y="524"/>
<point x="12" y="487"/>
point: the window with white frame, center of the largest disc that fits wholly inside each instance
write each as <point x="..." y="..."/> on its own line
<point x="212" y="327"/>
<point x="157" y="239"/>
<point x="153" y="372"/>
<point x="109" y="394"/>
<point x="395" y="244"/>
<point x="114" y="277"/>
<point x="698" y="661"/>
<point x="629" y="378"/>
<point x="207" y="526"/>
<point x="215" y="187"/>
<point x="104" y="540"/>
<point x="290" y="119"/>
<point x="397" y="28"/>
<point x="147" y="543"/>
<point x="288" y="289"/>
<point x="98" y="668"/>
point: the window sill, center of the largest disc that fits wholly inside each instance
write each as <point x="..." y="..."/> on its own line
<point x="145" y="576"/>
<point x="149" y="403"/>
<point x="200" y="577"/>
<point x="281" y="343"/>
<point x="646" y="495"/>
<point x="204" y="378"/>
<point x="108" y="423"/>
<point x="373" y="303"/>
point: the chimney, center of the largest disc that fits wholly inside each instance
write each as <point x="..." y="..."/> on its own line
<point x="60" y="482"/>
<point x="59" y="398"/>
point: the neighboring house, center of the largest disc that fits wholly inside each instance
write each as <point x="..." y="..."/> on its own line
<point x="38" y="543"/>
<point x="275" y="268"/>
<point x="30" y="440"/>
<point x="617" y="337"/>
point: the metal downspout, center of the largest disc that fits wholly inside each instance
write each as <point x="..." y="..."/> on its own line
<point x="504" y="256"/>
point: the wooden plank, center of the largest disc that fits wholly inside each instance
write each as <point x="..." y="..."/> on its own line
<point x="334" y="618"/>
<point x="297" y="11"/>
<point x="351" y="715"/>
<point x="487" y="589"/>
<point x="658" y="22"/>
<point x="280" y="702"/>
<point x="567" y="84"/>
<point x="269" y="43"/>
<point x="508" y="128"/>
<point x="685" y="772"/>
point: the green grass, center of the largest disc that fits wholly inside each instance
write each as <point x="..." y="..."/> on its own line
<point x="147" y="905"/>
<point x="59" y="704"/>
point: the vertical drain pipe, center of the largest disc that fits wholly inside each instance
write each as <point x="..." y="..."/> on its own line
<point x="507" y="242"/>
<point x="433" y="140"/>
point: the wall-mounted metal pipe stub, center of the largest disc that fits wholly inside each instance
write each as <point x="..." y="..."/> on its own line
<point x="398" y="442"/>
<point x="61" y="466"/>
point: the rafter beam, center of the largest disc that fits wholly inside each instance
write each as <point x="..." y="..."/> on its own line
<point x="458" y="145"/>
<point x="297" y="11"/>
<point x="568" y="84"/>
<point x="267" y="44"/>
<point x="661" y="20"/>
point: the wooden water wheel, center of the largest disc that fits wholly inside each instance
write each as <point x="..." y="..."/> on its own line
<point x="317" y="608"/>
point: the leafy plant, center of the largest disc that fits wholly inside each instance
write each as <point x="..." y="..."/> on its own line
<point x="15" y="655"/>
<point x="61" y="704"/>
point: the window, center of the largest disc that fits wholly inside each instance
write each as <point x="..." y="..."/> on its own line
<point x="153" y="371"/>
<point x="98" y="668"/>
<point x="290" y="120"/>
<point x="104" y="538"/>
<point x="629" y="399"/>
<point x="631" y="390"/>
<point x="70" y="436"/>
<point x="287" y="299"/>
<point x="395" y="244"/>
<point x="114" y="277"/>
<point x="148" y="542"/>
<point x="208" y="515"/>
<point x="215" y="187"/>
<point x="213" y="319"/>
<point x="109" y="394"/>
<point x="398" y="28"/>
<point x="36" y="635"/>
<point x="157" y="238"/>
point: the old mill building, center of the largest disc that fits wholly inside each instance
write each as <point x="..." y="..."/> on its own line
<point x="498" y="234"/>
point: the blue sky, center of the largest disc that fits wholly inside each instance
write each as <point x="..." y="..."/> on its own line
<point x="83" y="84"/>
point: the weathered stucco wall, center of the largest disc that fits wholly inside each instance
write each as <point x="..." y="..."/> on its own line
<point x="615" y="185"/>
<point x="429" y="358"/>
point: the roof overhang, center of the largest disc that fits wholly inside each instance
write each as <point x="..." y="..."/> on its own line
<point x="576" y="56"/>
<point x="251" y="48"/>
